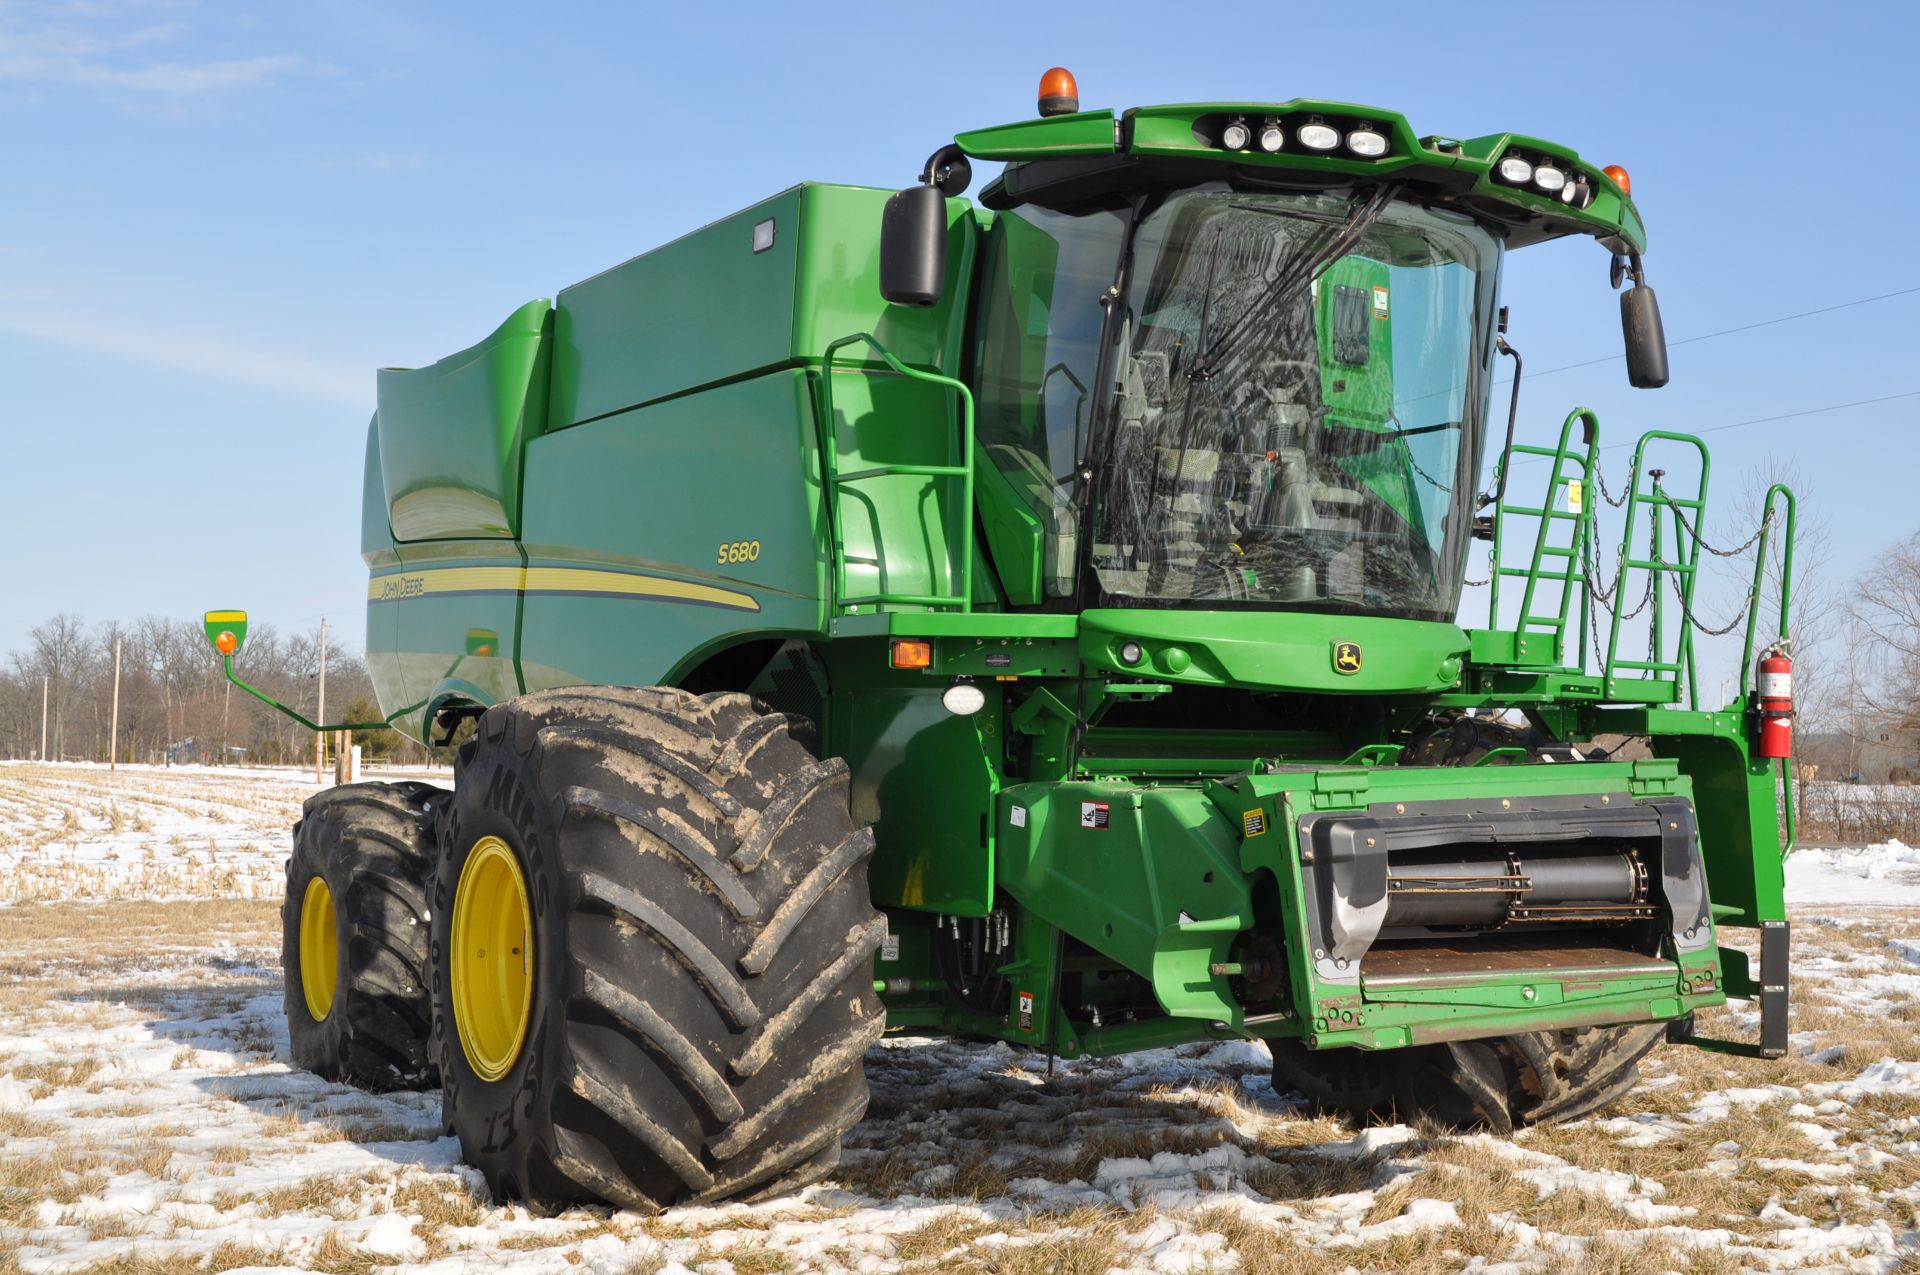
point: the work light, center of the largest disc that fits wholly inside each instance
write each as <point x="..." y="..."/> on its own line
<point x="963" y="699"/>
<point x="1236" y="136"/>
<point x="1318" y="137"/>
<point x="1366" y="143"/>
<point x="1549" y="178"/>
<point x="1516" y="170"/>
<point x="1271" y="138"/>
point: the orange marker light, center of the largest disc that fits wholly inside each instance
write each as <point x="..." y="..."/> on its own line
<point x="1059" y="94"/>
<point x="913" y="654"/>
<point x="226" y="643"/>
<point x="1620" y="178"/>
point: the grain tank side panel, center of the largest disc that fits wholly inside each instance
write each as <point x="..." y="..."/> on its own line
<point x="657" y="534"/>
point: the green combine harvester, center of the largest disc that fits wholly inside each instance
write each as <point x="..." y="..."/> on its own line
<point x="1035" y="619"/>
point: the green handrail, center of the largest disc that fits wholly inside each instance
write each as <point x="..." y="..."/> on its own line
<point x="1573" y="554"/>
<point x="1777" y="492"/>
<point x="959" y="532"/>
<point x="1685" y="565"/>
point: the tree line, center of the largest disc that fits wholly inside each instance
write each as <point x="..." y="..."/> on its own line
<point x="175" y="701"/>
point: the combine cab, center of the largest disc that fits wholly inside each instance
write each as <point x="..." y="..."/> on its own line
<point x="1037" y="620"/>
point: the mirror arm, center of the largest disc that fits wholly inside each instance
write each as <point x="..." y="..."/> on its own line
<point x="1499" y="491"/>
<point x="277" y="706"/>
<point x="948" y="170"/>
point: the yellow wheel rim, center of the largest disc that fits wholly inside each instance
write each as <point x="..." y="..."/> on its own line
<point x="319" y="949"/>
<point x="492" y="959"/>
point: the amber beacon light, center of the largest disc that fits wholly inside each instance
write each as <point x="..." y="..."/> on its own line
<point x="1059" y="95"/>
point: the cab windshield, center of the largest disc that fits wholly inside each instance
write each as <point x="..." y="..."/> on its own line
<point x="1302" y="388"/>
<point x="1298" y="384"/>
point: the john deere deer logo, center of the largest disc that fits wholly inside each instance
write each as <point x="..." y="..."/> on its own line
<point x="1346" y="657"/>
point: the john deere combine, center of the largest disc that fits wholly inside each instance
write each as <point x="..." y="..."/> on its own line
<point x="1034" y="619"/>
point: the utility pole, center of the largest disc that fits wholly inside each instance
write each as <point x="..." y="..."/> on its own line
<point x="113" y="730"/>
<point x="43" y="718"/>
<point x="320" y="736"/>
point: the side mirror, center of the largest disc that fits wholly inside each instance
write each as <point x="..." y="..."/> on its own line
<point x="226" y="630"/>
<point x="1646" y="338"/>
<point x="1640" y="324"/>
<point x="913" y="246"/>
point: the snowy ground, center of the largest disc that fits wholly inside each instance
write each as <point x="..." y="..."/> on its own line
<point x="146" y="832"/>
<point x="149" y="1122"/>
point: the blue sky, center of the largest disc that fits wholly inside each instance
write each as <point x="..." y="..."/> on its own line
<point x="220" y="218"/>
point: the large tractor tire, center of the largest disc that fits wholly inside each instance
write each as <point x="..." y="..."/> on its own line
<point x="652" y="950"/>
<point x="354" y="935"/>
<point x="1499" y="1083"/>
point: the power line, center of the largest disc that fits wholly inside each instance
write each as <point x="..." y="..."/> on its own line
<point x="1757" y="420"/>
<point x="1745" y="327"/>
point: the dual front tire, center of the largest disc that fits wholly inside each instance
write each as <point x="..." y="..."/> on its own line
<point x="649" y="950"/>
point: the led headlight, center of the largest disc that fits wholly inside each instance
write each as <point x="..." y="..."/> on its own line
<point x="1236" y="135"/>
<point x="1130" y="653"/>
<point x="1549" y="178"/>
<point x="1318" y="137"/>
<point x="1271" y="138"/>
<point x="963" y="699"/>
<point x="1514" y="169"/>
<point x="1366" y="143"/>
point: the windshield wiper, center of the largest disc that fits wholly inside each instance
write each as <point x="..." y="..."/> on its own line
<point x="1331" y="249"/>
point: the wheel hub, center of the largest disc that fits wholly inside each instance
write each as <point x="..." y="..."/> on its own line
<point x="491" y="958"/>
<point x="319" y="949"/>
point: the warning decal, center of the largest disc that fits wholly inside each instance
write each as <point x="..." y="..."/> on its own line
<point x="1095" y="814"/>
<point x="1379" y="301"/>
<point x="1026" y="1011"/>
<point x="1254" y="822"/>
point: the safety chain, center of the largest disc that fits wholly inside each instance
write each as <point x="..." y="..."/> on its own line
<point x="1700" y="624"/>
<point x="1600" y="476"/>
<point x="1766" y="520"/>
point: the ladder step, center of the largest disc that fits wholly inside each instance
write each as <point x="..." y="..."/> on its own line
<point x="918" y="471"/>
<point x="904" y="599"/>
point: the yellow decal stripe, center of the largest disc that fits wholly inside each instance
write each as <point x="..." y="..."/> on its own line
<point x="225" y="617"/>
<point x="401" y="585"/>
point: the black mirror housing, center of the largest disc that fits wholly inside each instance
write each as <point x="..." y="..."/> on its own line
<point x="1646" y="338"/>
<point x="913" y="247"/>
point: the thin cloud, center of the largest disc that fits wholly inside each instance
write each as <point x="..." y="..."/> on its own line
<point x="283" y="373"/>
<point x="83" y="57"/>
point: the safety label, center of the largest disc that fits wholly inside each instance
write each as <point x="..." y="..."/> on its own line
<point x="1018" y="816"/>
<point x="1254" y="822"/>
<point x="1095" y="814"/>
<point x="890" y="948"/>
<point x="1379" y="302"/>
<point x="1026" y="1011"/>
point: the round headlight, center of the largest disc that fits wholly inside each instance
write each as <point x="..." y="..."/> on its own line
<point x="1130" y="653"/>
<point x="1271" y="138"/>
<point x="1236" y="136"/>
<point x="964" y="699"/>
<point x="1318" y="137"/>
<point x="1366" y="143"/>
<point x="1549" y="178"/>
<point x="1516" y="170"/>
<point x="1569" y="193"/>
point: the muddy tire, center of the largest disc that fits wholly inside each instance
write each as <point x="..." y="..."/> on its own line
<point x="354" y="935"/>
<point x="699" y="995"/>
<point x="1500" y="1084"/>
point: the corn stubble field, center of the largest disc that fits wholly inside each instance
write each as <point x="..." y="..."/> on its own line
<point x="149" y="1120"/>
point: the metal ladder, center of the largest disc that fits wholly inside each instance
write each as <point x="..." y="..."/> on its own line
<point x="959" y="529"/>
<point x="1567" y="577"/>
<point x="1675" y="533"/>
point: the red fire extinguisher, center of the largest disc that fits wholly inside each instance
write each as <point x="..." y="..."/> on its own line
<point x="1774" y="696"/>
